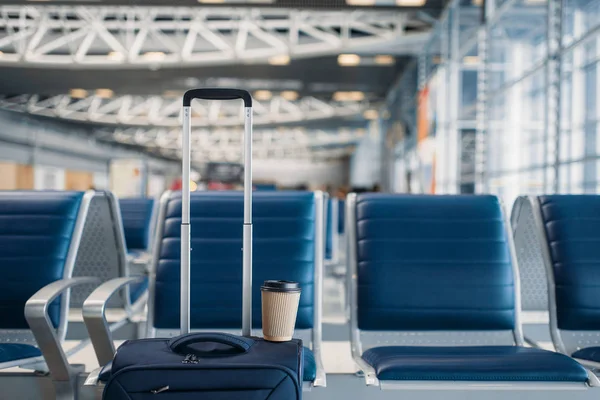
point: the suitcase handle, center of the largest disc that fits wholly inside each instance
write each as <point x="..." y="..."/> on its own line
<point x="217" y="94"/>
<point x="241" y="343"/>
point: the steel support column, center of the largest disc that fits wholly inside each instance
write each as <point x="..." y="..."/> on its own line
<point x="553" y="93"/>
<point x="481" y="182"/>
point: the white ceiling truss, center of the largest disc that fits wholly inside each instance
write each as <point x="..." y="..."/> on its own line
<point x="152" y="37"/>
<point x="226" y="144"/>
<point x="129" y="110"/>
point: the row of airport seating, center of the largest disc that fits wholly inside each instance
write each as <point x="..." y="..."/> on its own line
<point x="55" y="248"/>
<point x="430" y="278"/>
<point x="433" y="281"/>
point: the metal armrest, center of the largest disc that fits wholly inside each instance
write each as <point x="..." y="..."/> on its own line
<point x="593" y="380"/>
<point x="36" y="313"/>
<point x="95" y="320"/>
<point x="321" y="377"/>
<point x="367" y="370"/>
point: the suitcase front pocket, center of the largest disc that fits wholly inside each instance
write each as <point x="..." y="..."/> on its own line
<point x="226" y="394"/>
<point x="193" y="382"/>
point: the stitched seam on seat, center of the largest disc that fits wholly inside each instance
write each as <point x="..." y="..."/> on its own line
<point x="486" y="378"/>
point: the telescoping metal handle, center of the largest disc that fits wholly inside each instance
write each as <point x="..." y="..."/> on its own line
<point x="216" y="94"/>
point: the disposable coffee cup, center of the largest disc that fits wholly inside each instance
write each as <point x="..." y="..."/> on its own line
<point x="280" y="301"/>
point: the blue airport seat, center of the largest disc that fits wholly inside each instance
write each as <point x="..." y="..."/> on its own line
<point x="17" y="351"/>
<point x="288" y="244"/>
<point x="477" y="363"/>
<point x="40" y="233"/>
<point x="137" y="216"/>
<point x="341" y="216"/>
<point x="329" y="229"/>
<point x="331" y="234"/>
<point x="433" y="277"/>
<point x="569" y="226"/>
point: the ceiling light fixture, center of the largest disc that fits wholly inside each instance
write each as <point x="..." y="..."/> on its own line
<point x="410" y="3"/>
<point x="283" y="59"/>
<point x="211" y="1"/>
<point x="263" y="95"/>
<point x="154" y="55"/>
<point x="360" y="2"/>
<point x="115" y="55"/>
<point x="348" y="96"/>
<point x="289" y="95"/>
<point x="104" y="93"/>
<point x="371" y="114"/>
<point x="348" y="60"/>
<point x="470" y="60"/>
<point x="384" y="60"/>
<point x="78" y="93"/>
<point x="172" y="94"/>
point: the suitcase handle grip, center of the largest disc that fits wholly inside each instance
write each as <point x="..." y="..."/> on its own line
<point x="240" y="343"/>
<point x="217" y="94"/>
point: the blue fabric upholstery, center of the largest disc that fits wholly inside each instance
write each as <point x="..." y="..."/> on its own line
<point x="572" y="227"/>
<point x="310" y="366"/>
<point x="341" y="215"/>
<point x="433" y="263"/>
<point x="17" y="351"/>
<point x="36" y="228"/>
<point x="136" y="214"/>
<point x="284" y="246"/>
<point x="137" y="289"/>
<point x="264" y="186"/>
<point x="589" y="353"/>
<point x="479" y="363"/>
<point x="329" y="230"/>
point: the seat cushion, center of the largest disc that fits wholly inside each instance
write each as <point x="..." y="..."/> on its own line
<point x="17" y="351"/>
<point x="589" y="353"/>
<point x="430" y="262"/>
<point x="478" y="363"/>
<point x="310" y="366"/>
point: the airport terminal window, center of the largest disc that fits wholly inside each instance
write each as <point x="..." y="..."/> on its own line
<point x="579" y="142"/>
<point x="520" y="155"/>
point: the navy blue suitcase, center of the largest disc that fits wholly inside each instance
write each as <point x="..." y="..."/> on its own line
<point x="206" y="366"/>
<point x="209" y="366"/>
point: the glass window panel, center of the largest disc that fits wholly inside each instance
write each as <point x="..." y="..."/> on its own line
<point x="580" y="17"/>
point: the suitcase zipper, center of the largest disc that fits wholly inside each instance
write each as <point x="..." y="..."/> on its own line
<point x="160" y="390"/>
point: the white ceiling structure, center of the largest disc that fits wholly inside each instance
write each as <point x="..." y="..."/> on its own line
<point x="160" y="111"/>
<point x="120" y="37"/>
<point x="152" y="38"/>
<point x="226" y="144"/>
